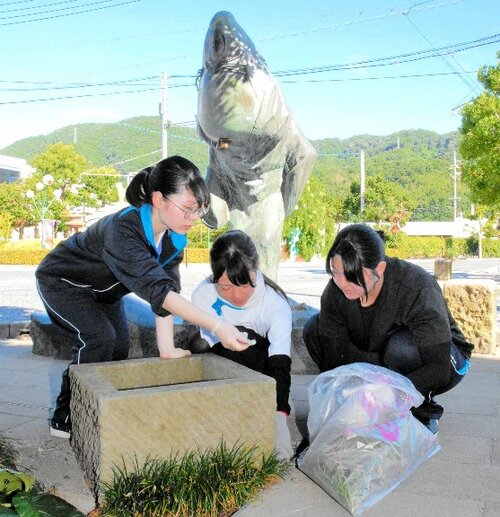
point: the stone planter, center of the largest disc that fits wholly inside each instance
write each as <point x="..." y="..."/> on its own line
<point x="126" y="411"/>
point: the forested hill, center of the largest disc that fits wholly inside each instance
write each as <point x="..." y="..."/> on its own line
<point x="417" y="159"/>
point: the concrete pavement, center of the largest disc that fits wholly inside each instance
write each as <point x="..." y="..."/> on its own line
<point x="461" y="480"/>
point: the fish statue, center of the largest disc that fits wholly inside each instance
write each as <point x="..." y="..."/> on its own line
<point x="259" y="160"/>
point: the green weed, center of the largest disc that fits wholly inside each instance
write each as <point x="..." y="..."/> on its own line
<point x="211" y="483"/>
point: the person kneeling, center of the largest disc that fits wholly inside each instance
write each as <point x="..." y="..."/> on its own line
<point x="241" y="294"/>
<point x="388" y="312"/>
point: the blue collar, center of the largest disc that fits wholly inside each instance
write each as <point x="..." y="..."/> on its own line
<point x="179" y="240"/>
<point x="219" y="303"/>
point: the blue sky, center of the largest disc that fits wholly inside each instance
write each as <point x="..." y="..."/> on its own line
<point x="136" y="41"/>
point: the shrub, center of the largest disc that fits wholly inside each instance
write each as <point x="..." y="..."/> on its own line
<point x="5" y="226"/>
<point x="22" y="256"/>
<point x="35" y="256"/>
<point x="491" y="247"/>
<point x="195" y="255"/>
<point x="408" y="246"/>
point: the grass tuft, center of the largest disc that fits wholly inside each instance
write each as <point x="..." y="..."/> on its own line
<point x="211" y="483"/>
<point x="8" y="454"/>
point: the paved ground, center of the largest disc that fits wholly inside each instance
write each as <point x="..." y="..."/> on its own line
<point x="462" y="480"/>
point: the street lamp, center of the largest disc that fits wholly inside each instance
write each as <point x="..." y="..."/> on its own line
<point x="42" y="203"/>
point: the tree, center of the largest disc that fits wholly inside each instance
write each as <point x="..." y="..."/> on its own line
<point x="314" y="217"/>
<point x="480" y="145"/>
<point x="385" y="202"/>
<point x="5" y="226"/>
<point x="14" y="204"/>
<point x="63" y="181"/>
<point x="72" y="174"/>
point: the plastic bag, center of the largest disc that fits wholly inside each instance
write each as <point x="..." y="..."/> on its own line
<point x="364" y="441"/>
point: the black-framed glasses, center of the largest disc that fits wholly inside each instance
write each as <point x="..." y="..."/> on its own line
<point x="190" y="213"/>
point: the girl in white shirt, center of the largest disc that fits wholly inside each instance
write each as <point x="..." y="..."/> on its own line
<point x="242" y="295"/>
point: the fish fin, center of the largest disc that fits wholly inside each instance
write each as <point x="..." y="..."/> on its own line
<point x="218" y="214"/>
<point x="298" y="166"/>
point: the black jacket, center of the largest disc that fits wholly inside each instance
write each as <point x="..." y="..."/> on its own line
<point x="410" y="299"/>
<point x="115" y="256"/>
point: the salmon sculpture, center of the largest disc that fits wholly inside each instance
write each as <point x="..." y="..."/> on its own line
<point x="259" y="159"/>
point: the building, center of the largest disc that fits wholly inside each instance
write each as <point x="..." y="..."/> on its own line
<point x="13" y="169"/>
<point x="461" y="228"/>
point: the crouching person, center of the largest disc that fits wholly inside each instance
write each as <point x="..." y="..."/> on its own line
<point x="387" y="312"/>
<point x="241" y="294"/>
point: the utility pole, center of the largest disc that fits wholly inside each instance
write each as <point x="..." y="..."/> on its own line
<point x="455" y="174"/>
<point x="362" y="180"/>
<point x="163" y="114"/>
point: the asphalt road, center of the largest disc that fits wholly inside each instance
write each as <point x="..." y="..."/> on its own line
<point x="302" y="281"/>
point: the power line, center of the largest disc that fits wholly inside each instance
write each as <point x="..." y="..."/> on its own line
<point x="407" y="76"/>
<point x="76" y="96"/>
<point x="62" y="2"/>
<point x="122" y="161"/>
<point x="66" y="14"/>
<point x="392" y="12"/>
<point x="396" y="59"/>
<point x="369" y="63"/>
<point x="471" y="85"/>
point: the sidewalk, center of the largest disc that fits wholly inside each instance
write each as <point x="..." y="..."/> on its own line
<point x="461" y="480"/>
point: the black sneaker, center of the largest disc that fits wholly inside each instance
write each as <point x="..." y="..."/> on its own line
<point x="432" y="425"/>
<point x="60" y="429"/>
<point x="303" y="445"/>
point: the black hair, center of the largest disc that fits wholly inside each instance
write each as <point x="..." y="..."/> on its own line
<point x="235" y="253"/>
<point x="359" y="246"/>
<point x="169" y="176"/>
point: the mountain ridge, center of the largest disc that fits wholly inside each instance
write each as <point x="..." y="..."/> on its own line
<point x="418" y="159"/>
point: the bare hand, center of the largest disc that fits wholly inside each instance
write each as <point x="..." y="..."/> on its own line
<point x="175" y="353"/>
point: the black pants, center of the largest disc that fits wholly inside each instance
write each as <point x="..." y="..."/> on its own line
<point x="256" y="357"/>
<point x="96" y="332"/>
<point x="400" y="355"/>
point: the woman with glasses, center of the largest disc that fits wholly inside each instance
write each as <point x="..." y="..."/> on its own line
<point x="138" y="249"/>
<point x="241" y="294"/>
<point x="388" y="312"/>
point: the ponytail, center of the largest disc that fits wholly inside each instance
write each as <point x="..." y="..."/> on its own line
<point x="137" y="193"/>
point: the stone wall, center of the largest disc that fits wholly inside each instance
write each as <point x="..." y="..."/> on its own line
<point x="473" y="305"/>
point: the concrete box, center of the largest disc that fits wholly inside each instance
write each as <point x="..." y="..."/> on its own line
<point x="154" y="408"/>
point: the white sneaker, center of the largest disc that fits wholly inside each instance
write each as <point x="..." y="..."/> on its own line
<point x="60" y="430"/>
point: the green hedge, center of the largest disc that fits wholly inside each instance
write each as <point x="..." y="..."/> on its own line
<point x="195" y="255"/>
<point x="22" y="256"/>
<point x="34" y="257"/>
<point x="398" y="245"/>
<point x="408" y="246"/>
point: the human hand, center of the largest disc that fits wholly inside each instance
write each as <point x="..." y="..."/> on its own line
<point x="230" y="337"/>
<point x="283" y="439"/>
<point x="174" y="353"/>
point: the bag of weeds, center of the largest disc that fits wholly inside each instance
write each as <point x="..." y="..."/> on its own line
<point x="364" y="441"/>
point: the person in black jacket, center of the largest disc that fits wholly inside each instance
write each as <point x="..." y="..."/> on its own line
<point x="387" y="312"/>
<point x="138" y="249"/>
